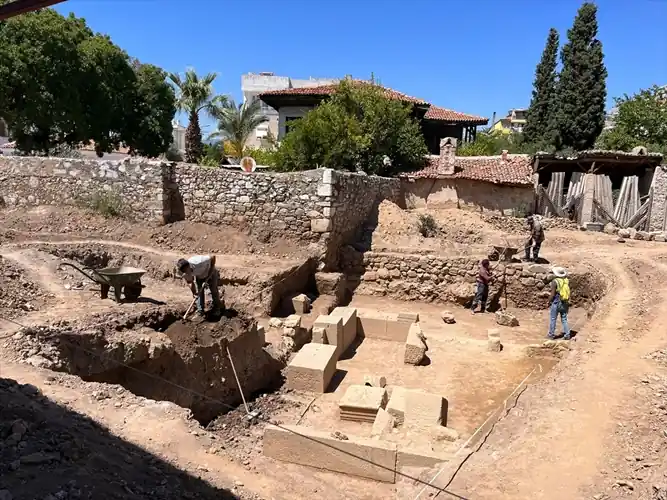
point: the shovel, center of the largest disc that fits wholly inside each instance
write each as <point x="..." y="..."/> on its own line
<point x="194" y="300"/>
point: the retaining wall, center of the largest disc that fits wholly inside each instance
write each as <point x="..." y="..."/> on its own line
<point x="323" y="206"/>
<point x="431" y="278"/>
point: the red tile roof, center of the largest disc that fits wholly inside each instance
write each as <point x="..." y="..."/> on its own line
<point x="323" y="90"/>
<point x="433" y="113"/>
<point x="516" y="170"/>
<point x="448" y="115"/>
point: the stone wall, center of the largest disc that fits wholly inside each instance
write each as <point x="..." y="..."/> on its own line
<point x="432" y="278"/>
<point x="659" y="205"/>
<point x="354" y="198"/>
<point x="56" y="181"/>
<point x="322" y="206"/>
<point x="467" y="194"/>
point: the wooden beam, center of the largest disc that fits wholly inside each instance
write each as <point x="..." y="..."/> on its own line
<point x="605" y="214"/>
<point x="18" y="7"/>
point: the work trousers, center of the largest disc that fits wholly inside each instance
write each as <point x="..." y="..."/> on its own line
<point x="213" y="283"/>
<point x="481" y="296"/>
<point x="558" y="308"/>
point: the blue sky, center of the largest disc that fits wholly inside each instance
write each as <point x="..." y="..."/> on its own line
<point x="474" y="56"/>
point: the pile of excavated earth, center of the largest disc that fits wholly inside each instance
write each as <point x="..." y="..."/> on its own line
<point x="307" y="387"/>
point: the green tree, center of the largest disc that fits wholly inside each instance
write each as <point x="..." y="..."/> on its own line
<point x="149" y="130"/>
<point x="581" y="89"/>
<point x="236" y="123"/>
<point x="63" y="85"/>
<point x="641" y="120"/>
<point x="491" y="143"/>
<point x="357" y="128"/>
<point x="194" y="95"/>
<point x="540" y="114"/>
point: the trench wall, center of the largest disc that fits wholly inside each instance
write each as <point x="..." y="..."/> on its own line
<point x="431" y="278"/>
<point x="315" y="206"/>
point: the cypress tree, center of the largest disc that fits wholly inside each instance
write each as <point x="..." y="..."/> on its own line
<point x="539" y="117"/>
<point x="581" y="89"/>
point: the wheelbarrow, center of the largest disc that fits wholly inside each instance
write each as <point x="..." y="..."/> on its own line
<point x="125" y="280"/>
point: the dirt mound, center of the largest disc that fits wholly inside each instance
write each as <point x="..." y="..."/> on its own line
<point x="58" y="223"/>
<point x="191" y="334"/>
<point x="18" y="294"/>
<point x="401" y="228"/>
<point x="74" y="457"/>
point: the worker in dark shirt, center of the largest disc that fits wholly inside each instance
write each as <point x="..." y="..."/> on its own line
<point x="484" y="277"/>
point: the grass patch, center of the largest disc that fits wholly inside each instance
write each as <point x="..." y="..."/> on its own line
<point x="106" y="203"/>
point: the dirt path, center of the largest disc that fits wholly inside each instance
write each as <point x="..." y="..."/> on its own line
<point x="552" y="445"/>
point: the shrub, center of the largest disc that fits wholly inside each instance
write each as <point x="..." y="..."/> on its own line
<point x="106" y="203"/>
<point x="427" y="226"/>
<point x="358" y="128"/>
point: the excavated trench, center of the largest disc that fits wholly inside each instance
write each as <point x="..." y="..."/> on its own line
<point x="255" y="291"/>
<point x="156" y="355"/>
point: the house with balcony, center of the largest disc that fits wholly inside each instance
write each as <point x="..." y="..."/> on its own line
<point x="254" y="84"/>
<point x="515" y="121"/>
<point x="436" y="122"/>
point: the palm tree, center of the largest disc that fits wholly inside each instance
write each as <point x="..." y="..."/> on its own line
<point x="196" y="94"/>
<point x="237" y="122"/>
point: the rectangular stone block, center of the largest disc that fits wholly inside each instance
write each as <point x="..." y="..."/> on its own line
<point x="333" y="327"/>
<point x="363" y="398"/>
<point x="396" y="404"/>
<point x="415" y="348"/>
<point x="319" y="335"/>
<point x="372" y="324"/>
<point x="408" y="317"/>
<point x="417" y="457"/>
<point x="312" y="368"/>
<point x="424" y="409"/>
<point x="397" y="329"/>
<point x="383" y="424"/>
<point x="349" y="317"/>
<point x="301" y="304"/>
<point x="356" y="456"/>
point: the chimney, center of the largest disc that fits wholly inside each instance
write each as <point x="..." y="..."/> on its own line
<point x="503" y="155"/>
<point x="447" y="155"/>
<point x="493" y="120"/>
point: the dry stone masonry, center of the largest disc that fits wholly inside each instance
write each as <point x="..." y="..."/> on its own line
<point x="431" y="278"/>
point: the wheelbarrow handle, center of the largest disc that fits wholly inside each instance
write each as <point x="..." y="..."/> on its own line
<point x="99" y="279"/>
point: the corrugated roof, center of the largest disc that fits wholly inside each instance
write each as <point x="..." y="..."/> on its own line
<point x="516" y="170"/>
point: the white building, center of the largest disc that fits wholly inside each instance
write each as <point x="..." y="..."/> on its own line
<point x="178" y="136"/>
<point x="254" y="84"/>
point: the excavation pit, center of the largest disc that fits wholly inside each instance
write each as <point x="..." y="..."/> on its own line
<point x="156" y="355"/>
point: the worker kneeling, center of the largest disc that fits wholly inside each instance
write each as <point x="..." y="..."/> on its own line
<point x="199" y="271"/>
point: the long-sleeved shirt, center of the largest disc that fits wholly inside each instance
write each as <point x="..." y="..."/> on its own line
<point x="484" y="275"/>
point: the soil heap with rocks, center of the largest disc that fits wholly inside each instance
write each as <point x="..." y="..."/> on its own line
<point x="18" y="294"/>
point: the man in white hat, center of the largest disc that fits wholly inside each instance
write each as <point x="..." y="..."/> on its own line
<point x="559" y="302"/>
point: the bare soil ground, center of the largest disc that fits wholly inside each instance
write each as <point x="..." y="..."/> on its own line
<point x="592" y="427"/>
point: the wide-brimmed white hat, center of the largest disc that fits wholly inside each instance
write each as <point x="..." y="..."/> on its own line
<point x="559" y="272"/>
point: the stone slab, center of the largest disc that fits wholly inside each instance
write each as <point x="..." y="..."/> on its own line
<point x="397" y="329"/>
<point x="396" y="404"/>
<point x="355" y="456"/>
<point x="425" y="409"/>
<point x="383" y="423"/>
<point x="312" y="368"/>
<point x="301" y="304"/>
<point x="372" y="324"/>
<point x="333" y="327"/>
<point x="417" y="457"/>
<point x="364" y="398"/>
<point x="349" y="317"/>
<point x="319" y="335"/>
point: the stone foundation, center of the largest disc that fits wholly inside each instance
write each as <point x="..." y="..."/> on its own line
<point x="430" y="278"/>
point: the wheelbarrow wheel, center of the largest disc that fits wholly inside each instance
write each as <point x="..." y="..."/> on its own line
<point x="132" y="292"/>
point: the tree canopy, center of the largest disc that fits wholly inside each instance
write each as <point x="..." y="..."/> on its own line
<point x="581" y="89"/>
<point x="357" y="128"/>
<point x="641" y="120"/>
<point x="541" y="112"/>
<point x="60" y="83"/>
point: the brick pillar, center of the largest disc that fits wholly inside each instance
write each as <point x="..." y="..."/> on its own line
<point x="587" y="199"/>
<point x="659" y="205"/>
